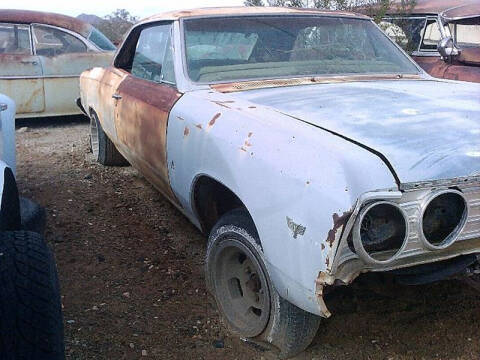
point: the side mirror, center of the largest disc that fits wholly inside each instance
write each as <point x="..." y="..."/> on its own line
<point x="447" y="49"/>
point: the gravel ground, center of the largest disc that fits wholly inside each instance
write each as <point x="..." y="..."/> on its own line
<point x="131" y="272"/>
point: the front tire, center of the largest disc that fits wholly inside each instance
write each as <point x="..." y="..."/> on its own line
<point x="103" y="149"/>
<point x="247" y="300"/>
<point x="31" y="322"/>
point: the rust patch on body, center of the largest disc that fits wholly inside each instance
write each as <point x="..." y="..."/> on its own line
<point x="438" y="68"/>
<point x="215" y="118"/>
<point x="180" y="118"/>
<point x="338" y="222"/>
<point x="186" y="131"/>
<point x="244" y="10"/>
<point x="199" y="126"/>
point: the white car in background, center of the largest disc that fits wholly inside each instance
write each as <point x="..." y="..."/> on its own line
<point x="31" y="320"/>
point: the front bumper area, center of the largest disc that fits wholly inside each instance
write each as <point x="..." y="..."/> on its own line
<point x="346" y="264"/>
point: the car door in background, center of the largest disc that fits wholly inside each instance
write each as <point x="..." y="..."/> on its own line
<point x="64" y="55"/>
<point x="20" y="70"/>
<point x="144" y="100"/>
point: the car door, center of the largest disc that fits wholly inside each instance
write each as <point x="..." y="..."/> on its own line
<point x="64" y="55"/>
<point x="144" y="100"/>
<point x="20" y="70"/>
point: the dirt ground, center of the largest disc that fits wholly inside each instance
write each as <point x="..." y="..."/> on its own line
<point x="131" y="272"/>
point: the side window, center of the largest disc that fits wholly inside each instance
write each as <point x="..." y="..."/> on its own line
<point x="406" y="31"/>
<point x="49" y="41"/>
<point x="153" y="57"/>
<point x="15" y="39"/>
<point x="467" y="35"/>
<point x="431" y="36"/>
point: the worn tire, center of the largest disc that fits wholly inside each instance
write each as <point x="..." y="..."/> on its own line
<point x="102" y="147"/>
<point x="288" y="328"/>
<point x="31" y="323"/>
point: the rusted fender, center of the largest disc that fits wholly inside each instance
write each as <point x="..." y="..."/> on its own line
<point x="293" y="179"/>
<point x="438" y="68"/>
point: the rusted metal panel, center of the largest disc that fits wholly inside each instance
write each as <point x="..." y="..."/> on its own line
<point x="433" y="7"/>
<point x="443" y="70"/>
<point x="470" y="56"/>
<point x="61" y="79"/>
<point x="245" y="10"/>
<point x="29" y="17"/>
<point x="141" y="123"/>
<point x="21" y="79"/>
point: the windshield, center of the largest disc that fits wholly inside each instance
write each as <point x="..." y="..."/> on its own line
<point x="242" y="48"/>
<point x="101" y="40"/>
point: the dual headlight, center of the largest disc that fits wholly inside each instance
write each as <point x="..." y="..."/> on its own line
<point x="382" y="229"/>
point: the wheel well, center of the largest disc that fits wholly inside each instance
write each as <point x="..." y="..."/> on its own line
<point x="212" y="200"/>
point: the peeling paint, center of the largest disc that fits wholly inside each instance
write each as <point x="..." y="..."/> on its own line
<point x="296" y="229"/>
<point x="199" y="126"/>
<point x="215" y="118"/>
<point x="338" y="222"/>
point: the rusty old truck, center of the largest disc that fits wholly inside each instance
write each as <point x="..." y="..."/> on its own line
<point x="443" y="37"/>
<point x="42" y="56"/>
<point x="305" y="144"/>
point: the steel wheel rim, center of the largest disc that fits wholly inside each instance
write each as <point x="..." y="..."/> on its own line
<point x="242" y="285"/>
<point x="94" y="136"/>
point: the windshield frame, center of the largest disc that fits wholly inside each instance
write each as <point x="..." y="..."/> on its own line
<point x="183" y="44"/>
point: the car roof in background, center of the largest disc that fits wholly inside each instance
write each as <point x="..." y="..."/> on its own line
<point x="459" y="8"/>
<point x="244" y="10"/>
<point x="29" y="17"/>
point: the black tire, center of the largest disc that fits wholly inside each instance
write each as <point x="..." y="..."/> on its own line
<point x="102" y="147"/>
<point x="286" y="326"/>
<point x="31" y="322"/>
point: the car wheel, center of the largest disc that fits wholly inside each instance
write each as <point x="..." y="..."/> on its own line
<point x="247" y="300"/>
<point x="103" y="149"/>
<point x="31" y="320"/>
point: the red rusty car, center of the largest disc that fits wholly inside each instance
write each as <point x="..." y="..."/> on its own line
<point x="442" y="36"/>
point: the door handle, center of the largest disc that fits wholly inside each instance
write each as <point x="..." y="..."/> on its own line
<point x="117" y="96"/>
<point x="27" y="62"/>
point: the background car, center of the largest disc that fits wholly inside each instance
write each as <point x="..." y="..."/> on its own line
<point x="42" y="56"/>
<point x="443" y="37"/>
<point x="31" y="324"/>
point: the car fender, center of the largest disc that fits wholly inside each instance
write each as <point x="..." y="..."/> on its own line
<point x="297" y="181"/>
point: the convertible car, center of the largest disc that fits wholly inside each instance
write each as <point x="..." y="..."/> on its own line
<point x="42" y="56"/>
<point x="443" y="37"/>
<point x="305" y="144"/>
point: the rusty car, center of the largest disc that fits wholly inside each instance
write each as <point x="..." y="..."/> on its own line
<point x="305" y="144"/>
<point x="42" y="56"/>
<point x="443" y="37"/>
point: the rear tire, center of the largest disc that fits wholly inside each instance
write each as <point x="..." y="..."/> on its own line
<point x="102" y="147"/>
<point x="250" y="306"/>
<point x="31" y="323"/>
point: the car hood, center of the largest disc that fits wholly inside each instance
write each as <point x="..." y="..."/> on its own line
<point x="426" y="129"/>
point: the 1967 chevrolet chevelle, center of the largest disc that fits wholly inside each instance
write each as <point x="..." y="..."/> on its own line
<point x="308" y="147"/>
